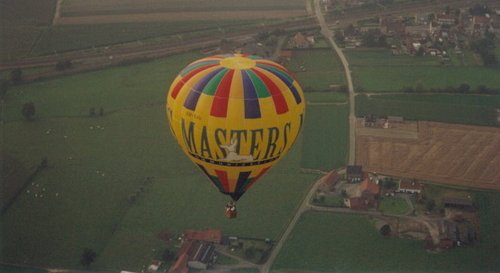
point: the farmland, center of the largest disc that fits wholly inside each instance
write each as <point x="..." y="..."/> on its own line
<point x="323" y="242"/>
<point x="316" y="69"/>
<point x="85" y="12"/>
<point x="325" y="137"/>
<point x="458" y="155"/>
<point x="96" y="163"/>
<point x="378" y="71"/>
<point x="74" y="37"/>
<point x="463" y="109"/>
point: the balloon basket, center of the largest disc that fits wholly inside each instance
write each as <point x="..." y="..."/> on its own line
<point x="230" y="211"/>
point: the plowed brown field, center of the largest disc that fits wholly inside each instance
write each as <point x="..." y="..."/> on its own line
<point x="453" y="154"/>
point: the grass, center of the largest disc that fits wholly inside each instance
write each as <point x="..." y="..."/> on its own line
<point x="327" y="242"/>
<point x="322" y="97"/>
<point x="325" y="137"/>
<point x="393" y="206"/>
<point x="378" y="71"/>
<point x="322" y="69"/>
<point x="95" y="164"/>
<point x="464" y="109"/>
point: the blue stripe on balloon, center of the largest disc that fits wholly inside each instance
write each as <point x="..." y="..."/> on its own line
<point x="195" y="92"/>
<point x="287" y="81"/>
<point x="252" y="106"/>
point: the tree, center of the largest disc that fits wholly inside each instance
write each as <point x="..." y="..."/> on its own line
<point x="4" y="87"/>
<point x="28" y="110"/>
<point x="385" y="230"/>
<point x="463" y="88"/>
<point x="168" y="255"/>
<point x="430" y="204"/>
<point x="16" y="76"/>
<point x="88" y="257"/>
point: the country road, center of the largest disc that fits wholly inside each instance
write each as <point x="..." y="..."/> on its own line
<point x="352" y="115"/>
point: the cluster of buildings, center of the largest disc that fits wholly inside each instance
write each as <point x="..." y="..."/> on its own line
<point x="456" y="222"/>
<point x="197" y="251"/>
<point x="429" y="33"/>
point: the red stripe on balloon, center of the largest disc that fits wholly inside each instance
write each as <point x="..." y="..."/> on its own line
<point x="278" y="99"/>
<point x="221" y="96"/>
<point x="186" y="78"/>
<point x="223" y="179"/>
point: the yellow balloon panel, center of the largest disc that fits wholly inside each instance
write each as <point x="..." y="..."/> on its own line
<point x="235" y="116"/>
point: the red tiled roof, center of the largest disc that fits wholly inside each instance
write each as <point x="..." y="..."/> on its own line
<point x="371" y="187"/>
<point x="407" y="185"/>
<point x="480" y="20"/>
<point x="209" y="235"/>
<point x="330" y="178"/>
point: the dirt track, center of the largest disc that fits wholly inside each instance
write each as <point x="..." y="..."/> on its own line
<point x="446" y="153"/>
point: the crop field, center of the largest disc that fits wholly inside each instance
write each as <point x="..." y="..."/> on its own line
<point x="463" y="109"/>
<point x="26" y="12"/>
<point x="97" y="163"/>
<point x="72" y="37"/>
<point x="113" y="11"/>
<point x="378" y="71"/>
<point x="458" y="155"/>
<point x="331" y="242"/>
<point x="325" y="137"/>
<point x="316" y="69"/>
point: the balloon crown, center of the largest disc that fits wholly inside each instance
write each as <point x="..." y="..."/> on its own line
<point x="227" y="76"/>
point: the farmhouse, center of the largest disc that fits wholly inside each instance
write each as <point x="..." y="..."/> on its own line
<point x="300" y="41"/>
<point x="354" y="173"/>
<point x="407" y="186"/>
<point x="197" y="250"/>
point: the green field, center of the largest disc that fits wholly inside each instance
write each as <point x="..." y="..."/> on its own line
<point x="329" y="242"/>
<point x="393" y="206"/>
<point x="325" y="137"/>
<point x="464" y="109"/>
<point x="376" y="70"/>
<point x="321" y="97"/>
<point x="95" y="164"/>
<point x="316" y="69"/>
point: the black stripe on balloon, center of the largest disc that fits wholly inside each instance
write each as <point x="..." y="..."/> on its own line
<point x="214" y="179"/>
<point x="288" y="83"/>
<point x="234" y="164"/>
<point x="242" y="182"/>
<point x="195" y="92"/>
<point x="252" y="106"/>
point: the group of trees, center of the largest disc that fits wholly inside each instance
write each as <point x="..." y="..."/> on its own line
<point x="463" y="88"/>
<point x="485" y="47"/>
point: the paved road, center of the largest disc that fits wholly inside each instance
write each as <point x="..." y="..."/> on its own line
<point x="352" y="116"/>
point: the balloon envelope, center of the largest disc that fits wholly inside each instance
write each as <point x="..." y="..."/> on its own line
<point x="235" y="116"/>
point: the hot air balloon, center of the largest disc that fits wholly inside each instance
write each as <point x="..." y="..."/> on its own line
<point x="235" y="116"/>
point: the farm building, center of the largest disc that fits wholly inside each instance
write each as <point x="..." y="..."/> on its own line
<point x="407" y="186"/>
<point x="358" y="203"/>
<point x="354" y="173"/>
<point x="197" y="250"/>
<point x="459" y="203"/>
<point x="329" y="181"/>
<point x="300" y="41"/>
